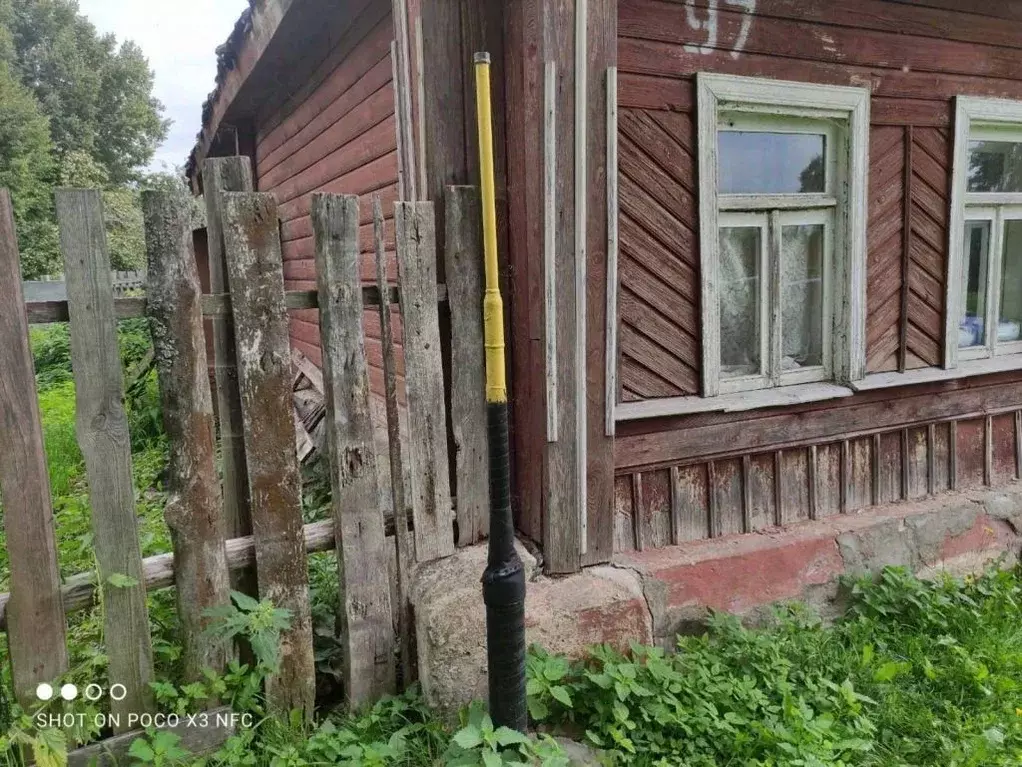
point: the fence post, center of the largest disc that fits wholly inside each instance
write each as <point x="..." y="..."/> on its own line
<point x="357" y="499"/>
<point x="219" y="175"/>
<point x="424" y="382"/>
<point x="252" y="246"/>
<point x="194" y="511"/>
<point x="102" y="428"/>
<point x="35" y="616"/>
<point x="464" y="274"/>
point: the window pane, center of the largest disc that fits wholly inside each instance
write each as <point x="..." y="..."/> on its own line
<point x="1010" y="326"/>
<point x="750" y="162"/>
<point x="977" y="249"/>
<point x="802" y="314"/>
<point x="740" y="292"/>
<point x="995" y="166"/>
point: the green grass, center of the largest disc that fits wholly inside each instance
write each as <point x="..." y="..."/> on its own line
<point x="915" y="673"/>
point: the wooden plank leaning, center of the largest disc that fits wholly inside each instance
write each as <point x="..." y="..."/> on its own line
<point x="35" y="634"/>
<point x="424" y="383"/>
<point x="252" y="242"/>
<point x="464" y="269"/>
<point x="357" y="499"/>
<point x="219" y="175"/>
<point x="194" y="510"/>
<point x="102" y="427"/>
<point x="402" y="540"/>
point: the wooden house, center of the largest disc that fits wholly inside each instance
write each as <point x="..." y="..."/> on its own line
<point x="764" y="257"/>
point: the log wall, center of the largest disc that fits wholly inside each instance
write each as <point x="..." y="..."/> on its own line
<point x="337" y="134"/>
<point x="714" y="474"/>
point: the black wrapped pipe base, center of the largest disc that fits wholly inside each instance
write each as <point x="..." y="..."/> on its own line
<point x="504" y="588"/>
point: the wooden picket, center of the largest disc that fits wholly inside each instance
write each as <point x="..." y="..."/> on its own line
<point x="228" y="174"/>
<point x="357" y="498"/>
<point x="102" y="427"/>
<point x="194" y="510"/>
<point x="424" y="384"/>
<point x="35" y="633"/>
<point x="254" y="261"/>
<point x="463" y="262"/>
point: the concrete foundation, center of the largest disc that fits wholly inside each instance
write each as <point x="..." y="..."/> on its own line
<point x="653" y="596"/>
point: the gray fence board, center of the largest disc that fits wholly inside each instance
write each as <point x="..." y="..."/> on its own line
<point x="102" y="428"/>
<point x="252" y="246"/>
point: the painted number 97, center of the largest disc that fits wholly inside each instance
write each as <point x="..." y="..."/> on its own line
<point x="709" y="25"/>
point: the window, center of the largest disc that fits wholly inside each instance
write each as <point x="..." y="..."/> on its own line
<point x="782" y="215"/>
<point x="984" y="299"/>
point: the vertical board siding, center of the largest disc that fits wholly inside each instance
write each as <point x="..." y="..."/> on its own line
<point x="340" y="138"/>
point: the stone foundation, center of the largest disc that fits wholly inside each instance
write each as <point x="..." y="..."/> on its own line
<point x="652" y="596"/>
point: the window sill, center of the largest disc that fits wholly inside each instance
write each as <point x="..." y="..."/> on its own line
<point x="730" y="403"/>
<point x="965" y="369"/>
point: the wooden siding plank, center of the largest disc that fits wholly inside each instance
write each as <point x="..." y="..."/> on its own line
<point x="102" y="428"/>
<point x="427" y="419"/>
<point x="194" y="511"/>
<point x="36" y="633"/>
<point x="252" y="247"/>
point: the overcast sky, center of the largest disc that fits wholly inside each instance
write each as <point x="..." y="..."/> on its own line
<point x="180" y="38"/>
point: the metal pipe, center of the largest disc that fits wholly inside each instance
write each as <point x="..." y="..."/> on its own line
<point x="504" y="578"/>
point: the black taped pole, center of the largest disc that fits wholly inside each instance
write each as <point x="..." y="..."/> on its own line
<point x="504" y="579"/>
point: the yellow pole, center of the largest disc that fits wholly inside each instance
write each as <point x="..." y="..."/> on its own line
<point x="493" y="304"/>
<point x="504" y="579"/>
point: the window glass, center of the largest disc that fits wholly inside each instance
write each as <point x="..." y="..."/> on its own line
<point x="995" y="166"/>
<point x="1010" y="326"/>
<point x="976" y="250"/>
<point x="802" y="296"/>
<point x="740" y="296"/>
<point x="751" y="162"/>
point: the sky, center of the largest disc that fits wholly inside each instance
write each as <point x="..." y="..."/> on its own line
<point x="180" y="41"/>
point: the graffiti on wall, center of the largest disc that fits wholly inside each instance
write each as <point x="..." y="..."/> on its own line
<point x="706" y="21"/>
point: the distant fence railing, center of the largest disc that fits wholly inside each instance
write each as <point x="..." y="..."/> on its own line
<point x="54" y="288"/>
<point x="264" y="473"/>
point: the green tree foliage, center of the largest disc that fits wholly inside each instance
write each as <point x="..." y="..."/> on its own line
<point x="77" y="110"/>
<point x="26" y="167"/>
<point x="98" y="95"/>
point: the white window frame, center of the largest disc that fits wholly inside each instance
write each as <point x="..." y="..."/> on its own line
<point x="775" y="101"/>
<point x="978" y="119"/>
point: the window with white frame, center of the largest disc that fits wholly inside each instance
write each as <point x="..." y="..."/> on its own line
<point x="782" y="214"/>
<point x="984" y="300"/>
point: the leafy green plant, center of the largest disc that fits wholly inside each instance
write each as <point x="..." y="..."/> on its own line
<point x="258" y="622"/>
<point x="479" y="744"/>
<point x="160" y="749"/>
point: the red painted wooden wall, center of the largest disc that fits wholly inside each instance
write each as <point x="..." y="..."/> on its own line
<point x="338" y="136"/>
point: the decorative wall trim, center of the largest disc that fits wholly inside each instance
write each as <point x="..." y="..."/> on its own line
<point x="581" y="254"/>
<point x="550" y="244"/>
<point x="612" y="249"/>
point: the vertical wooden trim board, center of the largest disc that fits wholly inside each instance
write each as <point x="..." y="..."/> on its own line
<point x="906" y="251"/>
<point x="403" y="183"/>
<point x="228" y="174"/>
<point x="194" y="510"/>
<point x="463" y="259"/>
<point x="403" y="96"/>
<point x="356" y="497"/>
<point x="252" y="247"/>
<point x="612" y="248"/>
<point x="102" y="428"/>
<point x="581" y="221"/>
<point x="35" y="615"/>
<point x="550" y="244"/>
<point x="420" y="117"/>
<point x="427" y="419"/>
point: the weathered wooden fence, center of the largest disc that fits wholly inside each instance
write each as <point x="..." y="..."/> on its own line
<point x="249" y="514"/>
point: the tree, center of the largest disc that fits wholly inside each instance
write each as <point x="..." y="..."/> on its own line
<point x="98" y="96"/>
<point x="26" y="167"/>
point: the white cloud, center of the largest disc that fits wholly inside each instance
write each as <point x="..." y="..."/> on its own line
<point x="179" y="37"/>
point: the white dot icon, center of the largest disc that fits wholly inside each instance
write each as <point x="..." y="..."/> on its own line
<point x="44" y="691"/>
<point x="69" y="692"/>
<point x="121" y="693"/>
